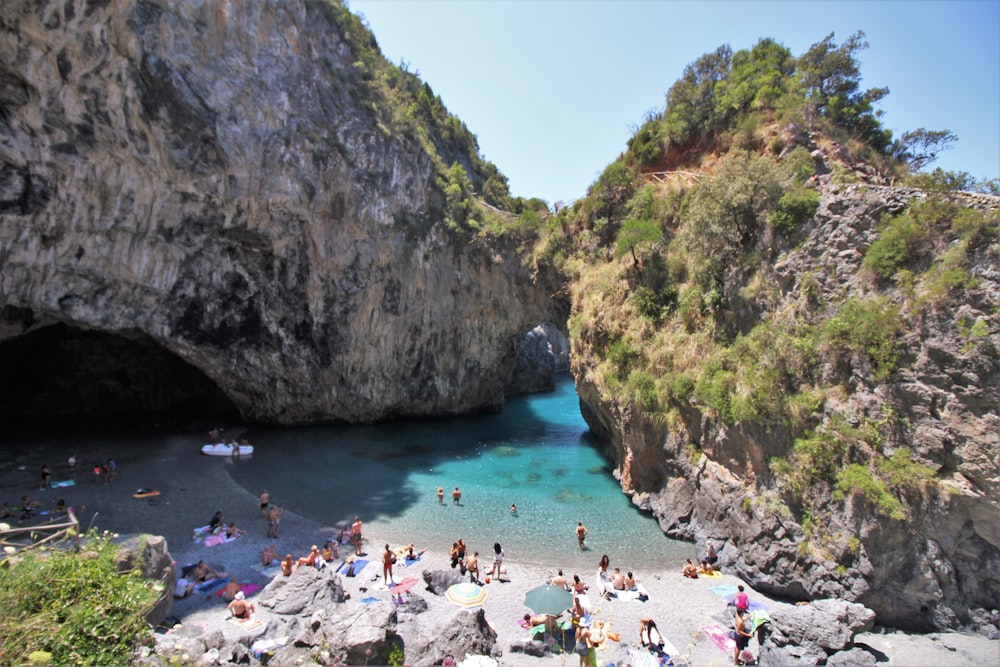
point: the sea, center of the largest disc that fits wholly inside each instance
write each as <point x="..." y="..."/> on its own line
<point x="537" y="454"/>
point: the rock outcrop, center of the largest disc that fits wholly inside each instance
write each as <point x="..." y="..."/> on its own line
<point x="938" y="565"/>
<point x="820" y="633"/>
<point x="149" y="555"/>
<point x="305" y="615"/>
<point x="217" y="183"/>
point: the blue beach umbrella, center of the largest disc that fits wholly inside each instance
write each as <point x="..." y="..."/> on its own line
<point x="548" y="599"/>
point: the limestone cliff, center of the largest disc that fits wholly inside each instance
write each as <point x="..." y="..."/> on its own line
<point x="933" y="564"/>
<point x="221" y="182"/>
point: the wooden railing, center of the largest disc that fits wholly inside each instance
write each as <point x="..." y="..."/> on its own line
<point x="14" y="541"/>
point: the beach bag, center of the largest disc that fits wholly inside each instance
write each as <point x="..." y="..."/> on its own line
<point x="392" y="559"/>
<point x="746" y="656"/>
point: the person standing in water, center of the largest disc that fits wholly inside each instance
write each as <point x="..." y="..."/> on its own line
<point x="581" y="534"/>
<point x="440" y="495"/>
<point x="456" y="497"/>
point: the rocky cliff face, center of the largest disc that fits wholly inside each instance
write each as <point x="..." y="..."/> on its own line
<point x="937" y="567"/>
<point x="211" y="180"/>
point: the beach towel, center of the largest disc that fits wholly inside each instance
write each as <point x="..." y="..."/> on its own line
<point x="726" y="591"/>
<point x="758" y="618"/>
<point x="720" y="637"/>
<point x="212" y="585"/>
<point x="68" y="482"/>
<point x="754" y="605"/>
<point x="248" y="624"/>
<point x="369" y="600"/>
<point x="637" y="594"/>
<point x="403" y="586"/>
<point x="247" y="589"/>
<point x="269" y="571"/>
<point x="640" y="657"/>
<point x="215" y="540"/>
<point x="712" y="574"/>
<point x="261" y="646"/>
<point x="359" y="565"/>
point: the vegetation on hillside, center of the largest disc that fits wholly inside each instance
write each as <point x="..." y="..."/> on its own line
<point x="671" y="255"/>
<point x="407" y="107"/>
<point x="63" y="607"/>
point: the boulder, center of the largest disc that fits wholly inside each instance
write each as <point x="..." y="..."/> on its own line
<point x="431" y="638"/>
<point x="438" y="581"/>
<point x="810" y="634"/>
<point x="149" y="554"/>
<point x="306" y="590"/>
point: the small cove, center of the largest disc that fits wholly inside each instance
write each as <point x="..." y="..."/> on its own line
<point x="537" y="453"/>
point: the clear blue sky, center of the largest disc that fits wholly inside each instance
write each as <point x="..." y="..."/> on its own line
<point x="553" y="89"/>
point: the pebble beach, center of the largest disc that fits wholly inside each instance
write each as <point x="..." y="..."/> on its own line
<point x="190" y="493"/>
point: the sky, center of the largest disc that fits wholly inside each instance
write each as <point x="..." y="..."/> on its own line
<point x="553" y="89"/>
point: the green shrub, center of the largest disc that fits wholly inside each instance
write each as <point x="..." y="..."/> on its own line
<point x="869" y="326"/>
<point x="76" y="606"/>
<point x="818" y="455"/>
<point x="643" y="388"/>
<point x="858" y="479"/>
<point x="622" y="354"/>
<point x="902" y="240"/>
<point x="794" y="208"/>
<point x="681" y="387"/>
<point x="903" y="473"/>
<point x="715" y="387"/>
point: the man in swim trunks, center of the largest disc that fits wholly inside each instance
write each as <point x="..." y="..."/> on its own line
<point x="456" y="497"/>
<point x="472" y="565"/>
<point x="581" y="533"/>
<point x="356" y="538"/>
<point x="273" y="519"/>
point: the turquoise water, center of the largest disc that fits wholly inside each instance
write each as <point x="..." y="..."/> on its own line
<point x="538" y="453"/>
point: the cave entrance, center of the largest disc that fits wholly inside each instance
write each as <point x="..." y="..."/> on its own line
<point x="68" y="374"/>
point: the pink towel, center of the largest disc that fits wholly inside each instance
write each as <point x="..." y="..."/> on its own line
<point x="720" y="637"/>
<point x="212" y="540"/>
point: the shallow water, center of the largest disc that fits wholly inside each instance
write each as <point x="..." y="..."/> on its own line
<point x="538" y="453"/>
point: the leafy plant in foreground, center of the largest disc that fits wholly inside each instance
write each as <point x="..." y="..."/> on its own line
<point x="74" y="606"/>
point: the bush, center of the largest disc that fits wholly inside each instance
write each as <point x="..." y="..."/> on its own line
<point x="75" y="606"/>
<point x="794" y="208"/>
<point x="869" y="327"/>
<point x="858" y="479"/>
<point x="902" y="240"/>
<point x="903" y="473"/>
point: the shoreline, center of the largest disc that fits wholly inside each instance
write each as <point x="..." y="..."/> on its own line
<point x="192" y="489"/>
